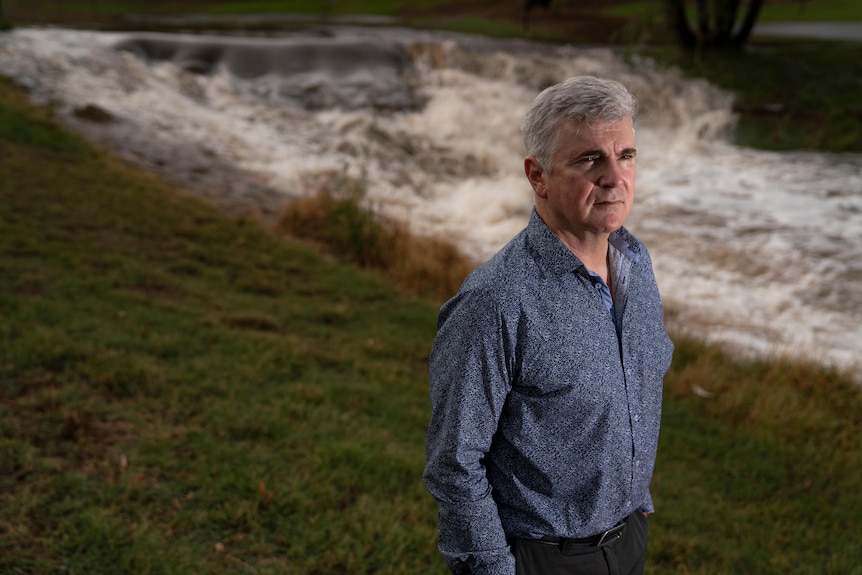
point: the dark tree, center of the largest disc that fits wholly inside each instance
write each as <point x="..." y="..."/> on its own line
<point x="529" y="5"/>
<point x="718" y="23"/>
<point x="4" y="24"/>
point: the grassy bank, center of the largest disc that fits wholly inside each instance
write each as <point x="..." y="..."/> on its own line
<point x="184" y="392"/>
<point x="800" y="95"/>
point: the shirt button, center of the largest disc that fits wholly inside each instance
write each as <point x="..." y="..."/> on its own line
<point x="637" y="418"/>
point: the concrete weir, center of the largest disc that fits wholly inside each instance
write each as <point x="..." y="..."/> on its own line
<point x="315" y="73"/>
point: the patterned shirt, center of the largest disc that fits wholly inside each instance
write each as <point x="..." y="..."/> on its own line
<point x="545" y="398"/>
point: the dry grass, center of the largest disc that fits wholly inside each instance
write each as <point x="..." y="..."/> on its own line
<point x="795" y="398"/>
<point x="336" y="219"/>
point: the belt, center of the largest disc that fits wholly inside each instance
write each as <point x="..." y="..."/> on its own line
<point x="599" y="540"/>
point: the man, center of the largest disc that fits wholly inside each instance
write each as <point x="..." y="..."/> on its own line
<point x="547" y="367"/>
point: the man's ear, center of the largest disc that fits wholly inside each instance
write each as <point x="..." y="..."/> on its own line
<point x="535" y="174"/>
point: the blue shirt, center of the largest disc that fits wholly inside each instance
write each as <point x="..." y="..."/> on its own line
<point x="545" y="410"/>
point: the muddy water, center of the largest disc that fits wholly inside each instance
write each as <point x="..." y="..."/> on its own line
<point x="760" y="250"/>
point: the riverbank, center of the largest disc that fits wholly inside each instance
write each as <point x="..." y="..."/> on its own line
<point x="181" y="391"/>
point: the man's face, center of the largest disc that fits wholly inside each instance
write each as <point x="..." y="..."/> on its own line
<point x="589" y="188"/>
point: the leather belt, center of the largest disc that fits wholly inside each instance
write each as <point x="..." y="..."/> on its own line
<point x="599" y="540"/>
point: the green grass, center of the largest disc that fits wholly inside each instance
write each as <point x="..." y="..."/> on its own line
<point x="139" y="325"/>
<point x="770" y="11"/>
<point x="486" y="27"/>
<point x="182" y="391"/>
<point x="104" y="7"/>
<point x="788" y="95"/>
<point x="375" y="7"/>
<point x="812" y="11"/>
<point x="61" y="9"/>
<point x="749" y="480"/>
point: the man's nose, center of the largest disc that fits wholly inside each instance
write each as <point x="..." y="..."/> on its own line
<point x="611" y="175"/>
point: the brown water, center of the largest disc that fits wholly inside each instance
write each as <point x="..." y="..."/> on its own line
<point x="761" y="250"/>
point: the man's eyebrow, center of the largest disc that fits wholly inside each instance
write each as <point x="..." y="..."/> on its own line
<point x="603" y="154"/>
<point x="587" y="153"/>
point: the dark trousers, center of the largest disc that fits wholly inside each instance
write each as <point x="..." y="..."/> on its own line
<point x="623" y="556"/>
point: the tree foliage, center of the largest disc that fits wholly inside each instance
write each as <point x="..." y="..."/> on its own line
<point x="716" y="23"/>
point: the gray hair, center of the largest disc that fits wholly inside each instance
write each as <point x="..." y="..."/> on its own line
<point x="579" y="99"/>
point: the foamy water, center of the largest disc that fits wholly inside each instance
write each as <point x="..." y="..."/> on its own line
<point x="757" y="249"/>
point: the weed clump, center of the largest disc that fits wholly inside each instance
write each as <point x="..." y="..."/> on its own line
<point x="336" y="218"/>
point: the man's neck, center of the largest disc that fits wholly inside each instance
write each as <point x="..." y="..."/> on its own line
<point x="592" y="251"/>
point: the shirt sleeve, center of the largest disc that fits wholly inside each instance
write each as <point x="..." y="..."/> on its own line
<point x="469" y="377"/>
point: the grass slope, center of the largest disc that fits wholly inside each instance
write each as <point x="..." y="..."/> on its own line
<point x="183" y="392"/>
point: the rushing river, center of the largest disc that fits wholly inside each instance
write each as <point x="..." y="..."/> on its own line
<point x="756" y="249"/>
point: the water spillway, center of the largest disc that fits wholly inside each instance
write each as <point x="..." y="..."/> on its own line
<point x="313" y="72"/>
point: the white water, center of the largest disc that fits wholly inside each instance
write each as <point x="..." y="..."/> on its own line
<point x="756" y="249"/>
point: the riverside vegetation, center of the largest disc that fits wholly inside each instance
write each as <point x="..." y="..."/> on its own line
<point x="186" y="391"/>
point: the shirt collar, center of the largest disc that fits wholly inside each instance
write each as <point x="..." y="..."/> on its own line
<point x="561" y="260"/>
<point x="626" y="244"/>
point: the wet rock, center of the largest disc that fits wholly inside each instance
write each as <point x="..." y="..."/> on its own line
<point x="95" y="114"/>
